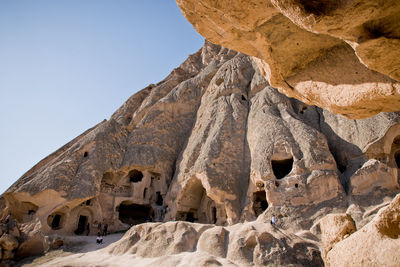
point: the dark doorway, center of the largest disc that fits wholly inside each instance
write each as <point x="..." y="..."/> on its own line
<point x="134" y="213"/>
<point x="397" y="158"/>
<point x="135" y="176"/>
<point x="81" y="225"/>
<point x="260" y="203"/>
<point x="214" y="215"/>
<point x="159" y="200"/>
<point x="281" y="168"/>
<point x="55" y="224"/>
<point x="190" y="217"/>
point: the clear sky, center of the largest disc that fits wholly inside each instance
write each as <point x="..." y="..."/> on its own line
<point x="65" y="65"/>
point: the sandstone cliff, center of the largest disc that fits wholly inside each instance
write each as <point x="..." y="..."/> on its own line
<point x="214" y="144"/>
<point x="340" y="55"/>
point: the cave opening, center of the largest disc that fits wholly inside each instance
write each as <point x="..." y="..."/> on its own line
<point x="159" y="200"/>
<point x="82" y="222"/>
<point x="85" y="154"/>
<point x="55" y="223"/>
<point x="260" y="203"/>
<point x="281" y="168"/>
<point x="135" y="176"/>
<point x="130" y="213"/>
<point x="214" y="215"/>
<point x="397" y="158"/>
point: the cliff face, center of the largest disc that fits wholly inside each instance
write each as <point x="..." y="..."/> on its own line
<point x="340" y="55"/>
<point x="213" y="143"/>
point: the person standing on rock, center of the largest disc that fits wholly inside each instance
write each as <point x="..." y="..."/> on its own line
<point x="273" y="221"/>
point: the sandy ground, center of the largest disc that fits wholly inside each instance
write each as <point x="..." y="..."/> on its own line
<point x="75" y="245"/>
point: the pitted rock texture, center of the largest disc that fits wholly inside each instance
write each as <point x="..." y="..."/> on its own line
<point x="376" y="244"/>
<point x="214" y="144"/>
<point x="340" y="55"/>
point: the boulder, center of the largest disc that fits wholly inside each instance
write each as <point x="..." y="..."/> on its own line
<point x="377" y="243"/>
<point x="334" y="228"/>
<point x="35" y="245"/>
<point x="8" y="242"/>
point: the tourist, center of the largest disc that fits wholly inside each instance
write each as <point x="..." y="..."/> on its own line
<point x="105" y="229"/>
<point x="99" y="238"/>
<point x="99" y="227"/>
<point x="87" y="229"/>
<point x="273" y="221"/>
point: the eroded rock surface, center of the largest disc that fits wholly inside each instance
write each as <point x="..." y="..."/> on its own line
<point x="340" y="55"/>
<point x="215" y="145"/>
<point x="377" y="243"/>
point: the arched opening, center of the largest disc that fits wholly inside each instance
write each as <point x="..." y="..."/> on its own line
<point x="132" y="214"/>
<point x="85" y="154"/>
<point x="281" y="168"/>
<point x="135" y="176"/>
<point x="159" y="200"/>
<point x="397" y="158"/>
<point x="82" y="222"/>
<point x="260" y="203"/>
<point x="194" y="205"/>
<point x="55" y="220"/>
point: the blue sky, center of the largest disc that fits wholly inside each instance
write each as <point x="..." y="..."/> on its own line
<point x="66" y="65"/>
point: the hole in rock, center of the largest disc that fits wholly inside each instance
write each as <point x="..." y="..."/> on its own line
<point x="128" y="120"/>
<point x="186" y="216"/>
<point x="82" y="222"/>
<point x="397" y="158"/>
<point x="135" y="176"/>
<point x="159" y="200"/>
<point x="219" y="81"/>
<point x="85" y="154"/>
<point x="244" y="98"/>
<point x="214" y="215"/>
<point x="320" y="7"/>
<point x="133" y="213"/>
<point x="56" y="222"/>
<point x="296" y="185"/>
<point x="260" y="203"/>
<point x="144" y="193"/>
<point x="88" y="202"/>
<point x="276" y="183"/>
<point x="281" y="168"/>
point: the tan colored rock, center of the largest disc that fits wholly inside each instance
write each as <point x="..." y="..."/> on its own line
<point x="334" y="228"/>
<point x="8" y="242"/>
<point x="377" y="243"/>
<point x="324" y="54"/>
<point x="35" y="245"/>
<point x="214" y="241"/>
<point x="372" y="175"/>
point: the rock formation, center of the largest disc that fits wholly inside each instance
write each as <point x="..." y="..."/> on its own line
<point x="213" y="145"/>
<point x="340" y="55"/>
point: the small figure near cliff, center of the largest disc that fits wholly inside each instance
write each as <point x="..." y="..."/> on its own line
<point x="105" y="229"/>
<point x="99" y="238"/>
<point x="273" y="221"/>
<point x="87" y="229"/>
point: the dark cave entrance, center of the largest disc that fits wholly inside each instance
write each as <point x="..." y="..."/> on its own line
<point x="55" y="223"/>
<point x="260" y="203"/>
<point x="82" y="221"/>
<point x="130" y="213"/>
<point x="135" y="176"/>
<point x="159" y="200"/>
<point x="281" y="168"/>
<point x="214" y="215"/>
<point x="397" y="158"/>
<point x="186" y="216"/>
